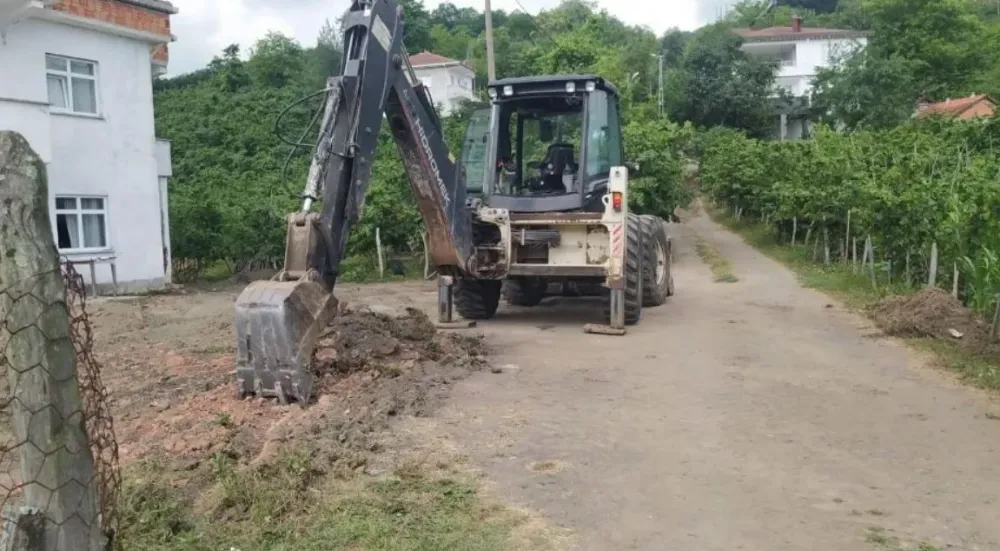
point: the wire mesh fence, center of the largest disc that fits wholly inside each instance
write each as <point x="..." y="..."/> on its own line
<point x="59" y="472"/>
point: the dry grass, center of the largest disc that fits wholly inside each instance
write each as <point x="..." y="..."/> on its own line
<point x="722" y="270"/>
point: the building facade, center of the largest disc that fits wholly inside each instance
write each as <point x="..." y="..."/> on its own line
<point x="76" y="79"/>
<point x="800" y="53"/>
<point x="450" y="82"/>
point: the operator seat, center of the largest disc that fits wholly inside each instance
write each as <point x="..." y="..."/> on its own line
<point x="560" y="158"/>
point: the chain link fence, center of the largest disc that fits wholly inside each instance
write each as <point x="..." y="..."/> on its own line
<point x="59" y="472"/>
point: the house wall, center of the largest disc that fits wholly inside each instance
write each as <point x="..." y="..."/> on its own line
<point x="446" y="84"/>
<point x="809" y="56"/>
<point x="112" y="155"/>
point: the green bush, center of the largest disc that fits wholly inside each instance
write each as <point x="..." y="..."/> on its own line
<point x="908" y="187"/>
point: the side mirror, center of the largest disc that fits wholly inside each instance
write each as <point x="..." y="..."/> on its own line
<point x="634" y="170"/>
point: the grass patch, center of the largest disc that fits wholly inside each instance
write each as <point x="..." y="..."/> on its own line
<point x="292" y="506"/>
<point x="974" y="369"/>
<point x="722" y="270"/>
<point x="884" y="541"/>
<point x="855" y="290"/>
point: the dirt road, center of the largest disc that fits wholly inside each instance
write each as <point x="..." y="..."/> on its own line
<point x="755" y="415"/>
<point x="739" y="416"/>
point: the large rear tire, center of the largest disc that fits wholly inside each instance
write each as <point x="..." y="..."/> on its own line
<point x="633" y="274"/>
<point x="657" y="279"/>
<point x="477" y="299"/>
<point x="527" y="291"/>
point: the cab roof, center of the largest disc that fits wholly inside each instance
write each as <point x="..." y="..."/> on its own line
<point x="553" y="83"/>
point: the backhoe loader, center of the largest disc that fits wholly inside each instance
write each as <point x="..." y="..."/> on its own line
<point x="538" y="200"/>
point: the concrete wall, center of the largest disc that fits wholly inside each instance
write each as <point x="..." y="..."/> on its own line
<point x="446" y="84"/>
<point x="111" y="155"/>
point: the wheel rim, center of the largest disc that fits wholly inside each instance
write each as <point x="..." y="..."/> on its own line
<point x="661" y="264"/>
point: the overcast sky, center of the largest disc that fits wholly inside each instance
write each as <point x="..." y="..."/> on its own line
<point x="204" y="28"/>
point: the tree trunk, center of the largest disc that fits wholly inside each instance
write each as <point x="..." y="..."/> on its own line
<point x="45" y="403"/>
<point x="795" y="229"/>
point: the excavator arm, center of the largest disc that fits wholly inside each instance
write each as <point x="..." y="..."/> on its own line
<point x="278" y="322"/>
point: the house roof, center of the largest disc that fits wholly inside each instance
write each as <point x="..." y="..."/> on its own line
<point x="155" y="5"/>
<point x="429" y="58"/>
<point x="960" y="108"/>
<point x="784" y="34"/>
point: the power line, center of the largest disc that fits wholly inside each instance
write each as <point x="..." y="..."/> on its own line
<point x="535" y="23"/>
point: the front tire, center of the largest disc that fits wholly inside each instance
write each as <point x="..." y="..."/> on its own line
<point x="657" y="280"/>
<point x="477" y="299"/>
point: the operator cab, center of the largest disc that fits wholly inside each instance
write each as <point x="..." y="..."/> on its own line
<point x="545" y="144"/>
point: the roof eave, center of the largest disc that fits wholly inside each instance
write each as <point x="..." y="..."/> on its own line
<point x="155" y="5"/>
<point x="795" y="38"/>
<point x="39" y="12"/>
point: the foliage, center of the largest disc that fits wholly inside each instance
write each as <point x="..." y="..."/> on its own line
<point x="657" y="146"/>
<point x="720" y="85"/>
<point x="907" y="187"/>
<point x="866" y="91"/>
<point x="927" y="50"/>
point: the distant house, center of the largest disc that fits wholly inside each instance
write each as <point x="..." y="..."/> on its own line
<point x="971" y="107"/>
<point x="800" y="52"/>
<point x="76" y="79"/>
<point x="450" y="82"/>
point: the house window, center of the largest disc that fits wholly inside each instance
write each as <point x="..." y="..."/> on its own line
<point x="72" y="84"/>
<point x="788" y="58"/>
<point x="81" y="223"/>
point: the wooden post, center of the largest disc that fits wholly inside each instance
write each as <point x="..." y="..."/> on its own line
<point x="826" y="246"/>
<point x="795" y="229"/>
<point x="427" y="256"/>
<point x="932" y="275"/>
<point x="909" y="276"/>
<point x="847" y="234"/>
<point x="996" y="319"/>
<point x="854" y="253"/>
<point x="46" y="408"/>
<point x="871" y="260"/>
<point x="378" y="249"/>
<point x="954" y="280"/>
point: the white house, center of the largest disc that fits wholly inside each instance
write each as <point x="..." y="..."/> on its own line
<point x="450" y="82"/>
<point x="76" y="79"/>
<point x="800" y="53"/>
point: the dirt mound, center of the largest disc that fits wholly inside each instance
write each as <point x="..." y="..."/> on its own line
<point x="370" y="366"/>
<point x="932" y="313"/>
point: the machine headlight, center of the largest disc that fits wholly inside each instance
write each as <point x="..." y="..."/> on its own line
<point x="508" y="90"/>
<point x="591" y="86"/>
<point x="570" y="87"/>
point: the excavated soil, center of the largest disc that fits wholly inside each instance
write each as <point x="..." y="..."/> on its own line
<point x="169" y="367"/>
<point x="933" y="313"/>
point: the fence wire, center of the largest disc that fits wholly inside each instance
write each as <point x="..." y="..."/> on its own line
<point x="59" y="472"/>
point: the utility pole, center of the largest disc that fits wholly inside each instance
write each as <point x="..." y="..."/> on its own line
<point x="660" y="96"/>
<point x="490" y="60"/>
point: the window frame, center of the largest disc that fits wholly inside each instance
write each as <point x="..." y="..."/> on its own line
<point x="78" y="211"/>
<point x="68" y="76"/>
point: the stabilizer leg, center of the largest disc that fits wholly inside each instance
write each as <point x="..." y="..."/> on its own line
<point x="617" y="327"/>
<point x="446" y="305"/>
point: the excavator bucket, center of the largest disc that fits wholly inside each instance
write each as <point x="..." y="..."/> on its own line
<point x="277" y="325"/>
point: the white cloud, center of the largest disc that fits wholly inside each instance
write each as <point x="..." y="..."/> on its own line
<point x="204" y="28"/>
